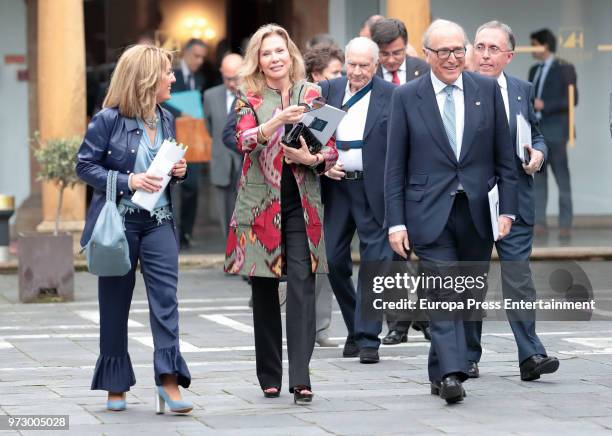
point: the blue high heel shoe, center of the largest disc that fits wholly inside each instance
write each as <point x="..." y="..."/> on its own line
<point x="179" y="406"/>
<point x="116" y="405"/>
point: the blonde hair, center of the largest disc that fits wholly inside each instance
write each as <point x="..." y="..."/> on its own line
<point x="253" y="79"/>
<point x="134" y="83"/>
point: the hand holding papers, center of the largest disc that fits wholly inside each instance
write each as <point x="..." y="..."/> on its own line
<point x="523" y="137"/>
<point x="169" y="153"/>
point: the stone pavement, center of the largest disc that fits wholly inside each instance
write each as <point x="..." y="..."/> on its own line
<point x="47" y="353"/>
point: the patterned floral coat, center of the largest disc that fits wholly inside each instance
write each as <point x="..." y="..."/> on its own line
<point x="254" y="244"/>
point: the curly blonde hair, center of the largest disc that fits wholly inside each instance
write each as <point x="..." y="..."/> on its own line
<point x="253" y="80"/>
<point x="134" y="83"/>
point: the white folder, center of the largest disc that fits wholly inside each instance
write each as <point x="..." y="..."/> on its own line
<point x="323" y="122"/>
<point x="494" y="210"/>
<point x="523" y="137"/>
<point x="168" y="154"/>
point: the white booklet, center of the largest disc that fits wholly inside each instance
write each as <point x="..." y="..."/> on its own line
<point x="523" y="137"/>
<point x="168" y="154"/>
<point x="494" y="210"/>
<point x="323" y="122"/>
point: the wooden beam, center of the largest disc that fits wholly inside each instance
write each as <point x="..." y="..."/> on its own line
<point x="416" y="15"/>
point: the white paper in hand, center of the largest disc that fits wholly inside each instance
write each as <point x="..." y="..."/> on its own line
<point x="523" y="137"/>
<point x="169" y="153"/>
<point x="494" y="211"/>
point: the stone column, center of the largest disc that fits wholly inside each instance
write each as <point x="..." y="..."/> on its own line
<point x="61" y="96"/>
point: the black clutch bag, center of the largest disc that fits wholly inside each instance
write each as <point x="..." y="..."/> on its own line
<point x="292" y="139"/>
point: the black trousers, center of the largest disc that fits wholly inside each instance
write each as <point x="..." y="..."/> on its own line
<point x="300" y="323"/>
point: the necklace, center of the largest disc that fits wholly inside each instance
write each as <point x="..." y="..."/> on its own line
<point x="151" y="123"/>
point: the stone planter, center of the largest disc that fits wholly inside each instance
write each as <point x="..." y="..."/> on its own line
<point x="46" y="267"/>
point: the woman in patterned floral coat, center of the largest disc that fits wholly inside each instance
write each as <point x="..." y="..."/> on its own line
<point x="277" y="227"/>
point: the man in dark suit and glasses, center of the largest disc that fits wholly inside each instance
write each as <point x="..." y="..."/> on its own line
<point x="189" y="77"/>
<point x="352" y="192"/>
<point x="448" y="141"/>
<point x="551" y="77"/>
<point x="396" y="67"/>
<point x="493" y="50"/>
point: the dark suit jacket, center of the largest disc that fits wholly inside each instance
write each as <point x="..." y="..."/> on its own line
<point x="374" y="136"/>
<point x="520" y="100"/>
<point x="229" y="133"/>
<point x="422" y="171"/>
<point x="555" y="122"/>
<point x="415" y="68"/>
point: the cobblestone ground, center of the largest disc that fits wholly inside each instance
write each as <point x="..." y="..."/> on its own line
<point x="47" y="353"/>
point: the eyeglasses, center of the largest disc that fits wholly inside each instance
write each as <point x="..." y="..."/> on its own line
<point x="493" y="49"/>
<point x="444" y="53"/>
<point x="317" y="103"/>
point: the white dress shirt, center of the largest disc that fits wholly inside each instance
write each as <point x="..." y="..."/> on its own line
<point x="503" y="85"/>
<point x="351" y="129"/>
<point x="401" y="73"/>
<point x="229" y="99"/>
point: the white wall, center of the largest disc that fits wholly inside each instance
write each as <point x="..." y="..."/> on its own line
<point x="591" y="159"/>
<point x="14" y="155"/>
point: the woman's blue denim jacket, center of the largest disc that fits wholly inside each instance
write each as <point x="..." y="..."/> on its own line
<point x="111" y="143"/>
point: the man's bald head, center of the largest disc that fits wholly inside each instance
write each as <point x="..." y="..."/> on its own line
<point x="230" y="66"/>
<point x="366" y="27"/>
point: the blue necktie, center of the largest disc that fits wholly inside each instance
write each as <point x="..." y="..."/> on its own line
<point x="448" y="117"/>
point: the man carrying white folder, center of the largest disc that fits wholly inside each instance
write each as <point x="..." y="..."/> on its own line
<point x="493" y="50"/>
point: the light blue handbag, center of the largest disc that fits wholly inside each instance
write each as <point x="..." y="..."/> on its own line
<point x="108" y="252"/>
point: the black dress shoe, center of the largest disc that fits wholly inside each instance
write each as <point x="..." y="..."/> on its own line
<point x="395" y="337"/>
<point x="451" y="389"/>
<point x="423" y="327"/>
<point x="368" y="355"/>
<point x="473" y="371"/>
<point x="536" y="365"/>
<point x="350" y="348"/>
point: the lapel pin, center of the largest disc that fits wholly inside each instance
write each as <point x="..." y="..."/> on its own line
<point x="416" y="73"/>
<point x="519" y="98"/>
<point x="477" y="103"/>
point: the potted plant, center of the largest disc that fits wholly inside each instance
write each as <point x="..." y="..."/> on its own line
<point x="46" y="261"/>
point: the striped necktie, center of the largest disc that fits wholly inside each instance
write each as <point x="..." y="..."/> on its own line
<point x="448" y="118"/>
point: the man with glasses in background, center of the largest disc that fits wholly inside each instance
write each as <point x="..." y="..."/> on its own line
<point x="493" y="50"/>
<point x="394" y="65"/>
<point x="448" y="140"/>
